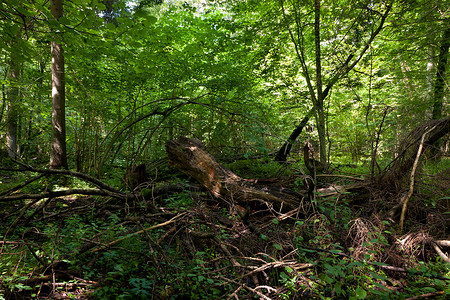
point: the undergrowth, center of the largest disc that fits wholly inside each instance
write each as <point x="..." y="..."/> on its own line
<point x="102" y="249"/>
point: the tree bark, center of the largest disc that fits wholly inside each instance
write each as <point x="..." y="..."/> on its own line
<point x="320" y="120"/>
<point x="430" y="72"/>
<point x="12" y="115"/>
<point x="190" y="157"/>
<point x="58" y="156"/>
<point x="440" y="75"/>
<point x="286" y="148"/>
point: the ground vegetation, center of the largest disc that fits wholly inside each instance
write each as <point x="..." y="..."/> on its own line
<point x="224" y="149"/>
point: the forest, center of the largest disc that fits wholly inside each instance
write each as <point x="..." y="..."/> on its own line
<point x="228" y="149"/>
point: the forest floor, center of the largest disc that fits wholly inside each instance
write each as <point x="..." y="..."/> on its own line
<point x="175" y="240"/>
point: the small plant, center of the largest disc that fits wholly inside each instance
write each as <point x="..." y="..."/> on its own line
<point x="182" y="201"/>
<point x="13" y="284"/>
<point x="289" y="280"/>
<point x="430" y="280"/>
<point x="142" y="287"/>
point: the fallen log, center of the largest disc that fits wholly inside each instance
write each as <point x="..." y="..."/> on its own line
<point x="191" y="157"/>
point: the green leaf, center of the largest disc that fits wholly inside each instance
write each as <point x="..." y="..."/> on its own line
<point x="380" y="286"/>
<point x="378" y="276"/>
<point x="338" y="288"/>
<point x="101" y="6"/>
<point x="24" y="11"/>
<point x="335" y="251"/>
<point x="110" y="26"/>
<point x="379" y="263"/>
<point x="288" y="269"/>
<point x="429" y="290"/>
<point x="361" y="293"/>
<point x="140" y="13"/>
<point x="150" y="20"/>
<point x="330" y="268"/>
<point x="328" y="279"/>
<point x="63" y="20"/>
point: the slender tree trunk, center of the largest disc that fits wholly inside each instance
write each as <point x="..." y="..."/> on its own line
<point x="319" y="94"/>
<point x="321" y="130"/>
<point x="440" y="75"/>
<point x="58" y="157"/>
<point x="286" y="149"/>
<point x="320" y="120"/>
<point x="430" y="73"/>
<point x="12" y="114"/>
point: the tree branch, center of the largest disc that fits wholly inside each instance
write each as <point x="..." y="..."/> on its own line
<point x="345" y="67"/>
<point x="408" y="196"/>
<point x="80" y="175"/>
<point x="53" y="194"/>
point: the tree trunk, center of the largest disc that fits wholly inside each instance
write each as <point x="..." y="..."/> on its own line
<point x="58" y="157"/>
<point x="12" y="115"/>
<point x="318" y="95"/>
<point x="440" y="75"/>
<point x="190" y="157"/>
<point x="286" y="148"/>
<point x="321" y="130"/>
<point x="430" y="73"/>
<point x="320" y="120"/>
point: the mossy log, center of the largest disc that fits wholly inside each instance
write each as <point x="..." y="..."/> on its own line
<point x="191" y="157"/>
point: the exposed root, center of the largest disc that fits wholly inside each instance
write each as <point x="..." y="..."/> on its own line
<point x="393" y="177"/>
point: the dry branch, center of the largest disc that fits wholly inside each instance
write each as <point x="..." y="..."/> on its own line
<point x="140" y="232"/>
<point x="82" y="176"/>
<point x="440" y="252"/>
<point x="427" y="295"/>
<point x="394" y="174"/>
<point x="443" y="243"/>
<point x="378" y="265"/>
<point x="102" y="189"/>
<point x="54" y="194"/>
<point x="408" y="196"/>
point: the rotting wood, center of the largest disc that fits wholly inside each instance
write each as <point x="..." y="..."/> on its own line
<point x="190" y="157"/>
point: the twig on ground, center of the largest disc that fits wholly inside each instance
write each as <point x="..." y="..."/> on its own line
<point x="257" y="292"/>
<point x="140" y="232"/>
<point x="440" y="252"/>
<point x="428" y="295"/>
<point x="443" y="243"/>
<point x="380" y="265"/>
